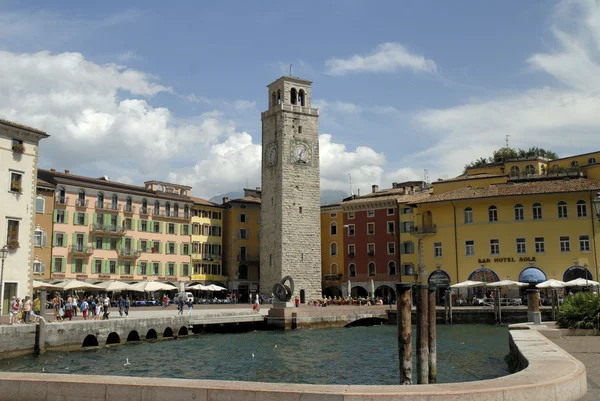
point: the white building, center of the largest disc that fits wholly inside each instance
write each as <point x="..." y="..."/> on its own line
<point x="18" y="179"/>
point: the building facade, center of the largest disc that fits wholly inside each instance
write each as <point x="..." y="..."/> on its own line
<point x="42" y="236"/>
<point x="242" y="244"/>
<point x="332" y="250"/>
<point x="105" y="230"/>
<point x="207" y="243"/>
<point x="18" y="163"/>
<point x="291" y="189"/>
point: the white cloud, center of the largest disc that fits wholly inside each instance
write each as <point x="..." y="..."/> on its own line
<point x="387" y="57"/>
<point x="128" y="55"/>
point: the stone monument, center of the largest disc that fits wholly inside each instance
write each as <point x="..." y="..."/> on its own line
<point x="290" y="209"/>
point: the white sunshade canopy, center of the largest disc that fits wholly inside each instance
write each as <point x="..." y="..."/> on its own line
<point x="507" y="283"/>
<point x="552" y="283"/>
<point x="214" y="287"/>
<point x="41" y="285"/>
<point x="468" y="284"/>
<point x="77" y="285"/>
<point x="114" y="285"/>
<point x="199" y="287"/>
<point x="581" y="282"/>
<point x="151" y="286"/>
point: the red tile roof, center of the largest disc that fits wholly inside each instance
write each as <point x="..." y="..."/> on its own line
<point x="470" y="177"/>
<point x="201" y="201"/>
<point x="21" y="126"/>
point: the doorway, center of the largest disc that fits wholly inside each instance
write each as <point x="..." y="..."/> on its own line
<point x="10" y="290"/>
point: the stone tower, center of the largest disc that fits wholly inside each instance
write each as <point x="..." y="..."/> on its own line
<point x="290" y="210"/>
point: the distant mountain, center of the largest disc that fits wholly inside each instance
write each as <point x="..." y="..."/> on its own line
<point x="328" y="196"/>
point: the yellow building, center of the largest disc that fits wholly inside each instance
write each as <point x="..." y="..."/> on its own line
<point x="528" y="220"/>
<point x="42" y="239"/>
<point x="332" y="249"/>
<point x="207" y="243"/>
<point x="241" y="244"/>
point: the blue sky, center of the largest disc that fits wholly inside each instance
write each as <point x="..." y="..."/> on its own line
<point x="174" y="90"/>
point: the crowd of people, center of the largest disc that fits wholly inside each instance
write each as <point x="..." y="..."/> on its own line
<point x="91" y="307"/>
<point x="24" y="310"/>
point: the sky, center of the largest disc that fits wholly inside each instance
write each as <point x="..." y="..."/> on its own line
<point x="173" y="91"/>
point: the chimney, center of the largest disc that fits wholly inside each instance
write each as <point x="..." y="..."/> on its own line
<point x="374" y="188"/>
<point x="53" y="170"/>
<point x="67" y="171"/>
<point x="225" y="199"/>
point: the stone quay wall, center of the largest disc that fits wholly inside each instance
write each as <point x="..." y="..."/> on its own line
<point x="478" y="315"/>
<point x="548" y="373"/>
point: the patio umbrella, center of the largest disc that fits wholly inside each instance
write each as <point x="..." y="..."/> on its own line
<point x="468" y="284"/>
<point x="553" y="284"/>
<point x="214" y="287"/>
<point x="151" y="286"/>
<point x="77" y="285"/>
<point x="38" y="285"/>
<point x="199" y="287"/>
<point x="114" y="285"/>
<point x="581" y="282"/>
<point x="372" y="288"/>
<point x="504" y="283"/>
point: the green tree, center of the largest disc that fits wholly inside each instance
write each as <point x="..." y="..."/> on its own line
<point x="506" y="153"/>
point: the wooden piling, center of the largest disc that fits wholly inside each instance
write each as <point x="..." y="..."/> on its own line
<point x="422" y="335"/>
<point x="432" y="335"/>
<point x="403" y="320"/>
<point x="450" y="304"/>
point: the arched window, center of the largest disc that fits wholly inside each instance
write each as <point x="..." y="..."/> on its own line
<point x="562" y="210"/>
<point x="61" y="195"/>
<point x="40" y="202"/>
<point x="515" y="171"/>
<point x="114" y="202"/>
<point x="468" y="214"/>
<point x="144" y="206"/>
<point x="301" y="96"/>
<point x="186" y="211"/>
<point x="39" y="237"/>
<point x="537" y="211"/>
<point x="519" y="212"/>
<point x="278" y="97"/>
<point x="371" y="269"/>
<point x="391" y="268"/>
<point x="293" y="96"/>
<point x="100" y="200"/>
<point x="333" y="228"/>
<point x="351" y="270"/>
<point x="529" y="169"/>
<point x="333" y="248"/>
<point x="167" y="209"/>
<point x="492" y="214"/>
<point x="273" y="99"/>
<point x="592" y="160"/>
<point x="333" y="269"/>
<point x="156" y="208"/>
<point x="581" y="208"/>
<point x="176" y="210"/>
<point x="128" y="204"/>
<point x="81" y="198"/>
<point x="574" y="164"/>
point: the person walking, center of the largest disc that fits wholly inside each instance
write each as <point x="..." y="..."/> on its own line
<point x="180" y="305"/>
<point x="84" y="308"/>
<point x="27" y="305"/>
<point x="106" y="307"/>
<point x="121" y="305"/>
<point x="190" y="306"/>
<point x="13" y="310"/>
<point x="126" y="306"/>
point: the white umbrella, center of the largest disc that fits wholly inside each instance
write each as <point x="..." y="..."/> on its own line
<point x="114" y="285"/>
<point x="214" y="287"/>
<point x="199" y="287"/>
<point x="506" y="283"/>
<point x="581" y="282"/>
<point x="552" y="283"/>
<point x="151" y="286"/>
<point x="349" y="288"/>
<point x="372" y="288"/>
<point x="42" y="285"/>
<point x="468" y="284"/>
<point x="77" y="285"/>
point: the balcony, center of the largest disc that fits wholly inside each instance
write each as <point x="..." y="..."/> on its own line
<point x="206" y="257"/>
<point x="143" y="211"/>
<point x="62" y="200"/>
<point x="248" y="259"/>
<point x="423" y="230"/>
<point x="129" y="254"/>
<point x="129" y="209"/>
<point x="333" y="277"/>
<point x="172" y="215"/>
<point x="81" y="250"/>
<point x="108" y="206"/>
<point x="81" y="203"/>
<point x="351" y="254"/>
<point x="209" y="277"/>
<point x="107" y="229"/>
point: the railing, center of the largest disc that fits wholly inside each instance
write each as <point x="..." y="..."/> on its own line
<point x="81" y="202"/>
<point x="108" y="206"/>
<point x="129" y="208"/>
<point x="371" y="253"/>
<point x="208" y="277"/>
<point x="333" y="277"/>
<point x="107" y="229"/>
<point x="129" y="254"/>
<point x="144" y="211"/>
<point x="171" y="215"/>
<point x="428" y="229"/>
<point x="81" y="249"/>
<point x="62" y="200"/>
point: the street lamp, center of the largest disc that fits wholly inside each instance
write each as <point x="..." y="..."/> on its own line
<point x="596" y="203"/>
<point x="3" y="255"/>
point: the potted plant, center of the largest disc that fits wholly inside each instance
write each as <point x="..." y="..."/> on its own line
<point x="12" y="244"/>
<point x="18" y="148"/>
<point x="16" y="187"/>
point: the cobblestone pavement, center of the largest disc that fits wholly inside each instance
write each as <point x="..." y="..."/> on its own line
<point x="587" y="350"/>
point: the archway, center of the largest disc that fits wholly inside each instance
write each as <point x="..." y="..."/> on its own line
<point x="482" y="274"/>
<point x="151" y="335"/>
<point x="183" y="331"/>
<point x="302" y="296"/>
<point x="113" y="338"/>
<point x="359" y="291"/>
<point x="441" y="280"/>
<point x="90" y="341"/>
<point x="386" y="293"/>
<point x="168" y="333"/>
<point x="332" y="291"/>
<point x="133" y="336"/>
<point x="575" y="272"/>
<point x="532" y="275"/>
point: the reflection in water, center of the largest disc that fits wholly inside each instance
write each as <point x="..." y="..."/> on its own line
<point x="359" y="355"/>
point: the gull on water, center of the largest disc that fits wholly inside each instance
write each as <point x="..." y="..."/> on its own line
<point x="126" y="362"/>
<point x="253" y="355"/>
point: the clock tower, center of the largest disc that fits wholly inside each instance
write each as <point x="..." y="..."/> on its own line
<point x="290" y="243"/>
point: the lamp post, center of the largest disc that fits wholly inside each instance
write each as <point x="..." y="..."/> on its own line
<point x="3" y="255"/>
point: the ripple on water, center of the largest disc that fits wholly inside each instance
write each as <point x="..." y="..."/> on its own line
<point x="358" y="355"/>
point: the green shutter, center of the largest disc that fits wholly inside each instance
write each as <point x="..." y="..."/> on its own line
<point x="181" y="269"/>
<point x="160" y="269"/>
<point x="181" y="249"/>
<point x="72" y="265"/>
<point x="139" y="245"/>
<point x="160" y="227"/>
<point x="85" y="240"/>
<point x="105" y="266"/>
<point x="175" y="230"/>
<point x="65" y="240"/>
<point x="85" y="219"/>
<point x="74" y="218"/>
<point x="54" y="216"/>
<point x="181" y="228"/>
<point x="74" y="238"/>
<point x="95" y="218"/>
<point x="64" y="265"/>
<point x="132" y="224"/>
<point x="139" y="225"/>
<point x="53" y="242"/>
<point x="159" y="247"/>
<point x="119" y="221"/>
<point x="105" y="243"/>
<point x="52" y="265"/>
<point x="84" y="266"/>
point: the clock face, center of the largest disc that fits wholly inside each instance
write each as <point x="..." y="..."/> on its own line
<point x="300" y="153"/>
<point x="271" y="154"/>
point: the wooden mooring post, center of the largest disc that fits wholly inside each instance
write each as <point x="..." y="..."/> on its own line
<point x="432" y="335"/>
<point x="403" y="321"/>
<point x="422" y="335"/>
